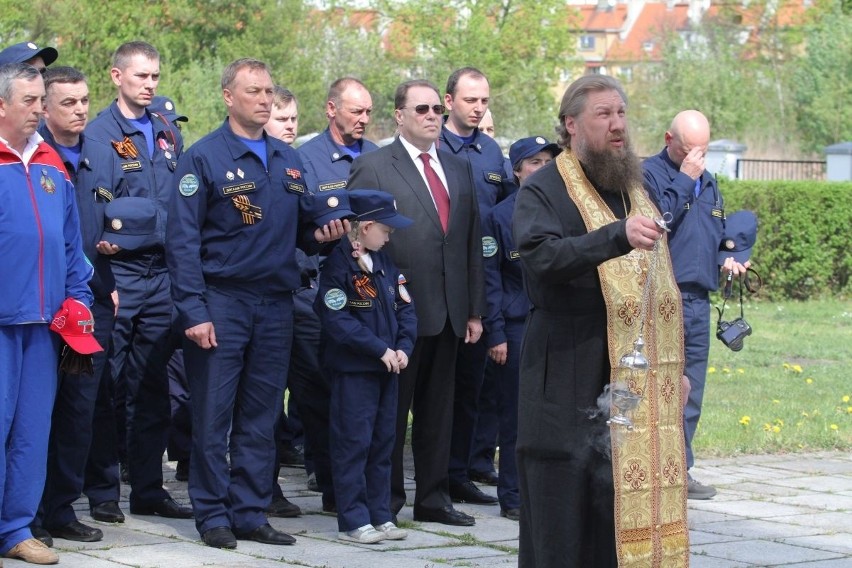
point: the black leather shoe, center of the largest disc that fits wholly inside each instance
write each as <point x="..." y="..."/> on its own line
<point x="267" y="535"/>
<point x="467" y="492"/>
<point x="166" y="508"/>
<point x="75" y="530"/>
<point x="511" y="514"/>
<point x="182" y="470"/>
<point x="40" y="533"/>
<point x="107" y="512"/>
<point x="329" y="508"/>
<point x="219" y="537"/>
<point x="291" y="456"/>
<point x="483" y="477"/>
<point x="281" y="507"/>
<point x="445" y="516"/>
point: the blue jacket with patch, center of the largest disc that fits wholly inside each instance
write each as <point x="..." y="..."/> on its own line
<point x="505" y="296"/>
<point x="326" y="165"/>
<point x="122" y="172"/>
<point x="40" y="240"/>
<point x="362" y="313"/>
<point x="91" y="212"/>
<point x="698" y="221"/>
<point x="233" y="223"/>
<point x="487" y="164"/>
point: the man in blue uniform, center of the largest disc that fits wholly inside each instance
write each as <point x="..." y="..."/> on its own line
<point x="327" y="159"/>
<point x="232" y="235"/>
<point x="329" y="156"/>
<point x="466" y="99"/>
<point x="40" y="239"/>
<point x="66" y="113"/>
<point x="140" y="150"/>
<point x="508" y="307"/>
<point x="676" y="180"/>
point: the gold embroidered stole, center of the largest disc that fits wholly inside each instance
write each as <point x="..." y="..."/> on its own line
<point x="648" y="462"/>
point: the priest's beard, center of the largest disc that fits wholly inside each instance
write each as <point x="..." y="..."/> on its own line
<point x="611" y="170"/>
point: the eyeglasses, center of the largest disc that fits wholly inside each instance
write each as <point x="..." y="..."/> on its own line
<point x="424" y="109"/>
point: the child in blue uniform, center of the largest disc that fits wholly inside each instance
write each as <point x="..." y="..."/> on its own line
<point x="369" y="328"/>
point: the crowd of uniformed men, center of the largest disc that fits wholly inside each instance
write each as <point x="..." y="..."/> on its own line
<point x="203" y="286"/>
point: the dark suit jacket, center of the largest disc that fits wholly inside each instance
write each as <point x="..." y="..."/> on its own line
<point x="444" y="272"/>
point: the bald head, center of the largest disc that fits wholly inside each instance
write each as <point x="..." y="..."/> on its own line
<point x="690" y="129"/>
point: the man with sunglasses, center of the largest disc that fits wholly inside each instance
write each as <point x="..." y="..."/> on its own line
<point x="441" y="258"/>
<point x="467" y="96"/>
<point x="677" y="181"/>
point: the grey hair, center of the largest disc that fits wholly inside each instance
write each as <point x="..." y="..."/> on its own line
<point x="11" y="72"/>
<point x="575" y="97"/>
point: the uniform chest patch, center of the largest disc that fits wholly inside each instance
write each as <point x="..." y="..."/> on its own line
<point x="188" y="185"/>
<point x="332" y="185"/>
<point x="493" y="177"/>
<point x="335" y="299"/>
<point x="489" y="247"/>
<point x="134" y="166"/>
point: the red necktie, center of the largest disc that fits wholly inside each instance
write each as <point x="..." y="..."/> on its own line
<point x="439" y="192"/>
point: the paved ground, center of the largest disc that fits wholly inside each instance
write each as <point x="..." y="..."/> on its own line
<point x="771" y="511"/>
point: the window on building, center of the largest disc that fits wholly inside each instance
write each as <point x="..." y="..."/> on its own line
<point x="587" y="42"/>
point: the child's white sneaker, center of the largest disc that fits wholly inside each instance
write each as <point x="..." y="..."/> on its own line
<point x="391" y="531"/>
<point x="363" y="535"/>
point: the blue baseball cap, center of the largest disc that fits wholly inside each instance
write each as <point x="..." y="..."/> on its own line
<point x="326" y="206"/>
<point x="739" y="237"/>
<point x="166" y="107"/>
<point x="131" y="223"/>
<point x="376" y="205"/>
<point x="24" y="51"/>
<point x="528" y="147"/>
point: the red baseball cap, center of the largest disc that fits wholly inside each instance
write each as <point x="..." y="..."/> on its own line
<point x="74" y="322"/>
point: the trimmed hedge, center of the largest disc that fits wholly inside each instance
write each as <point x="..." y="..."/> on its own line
<point x="804" y="240"/>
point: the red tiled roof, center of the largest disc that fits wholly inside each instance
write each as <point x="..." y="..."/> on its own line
<point x="595" y="19"/>
<point x="652" y="25"/>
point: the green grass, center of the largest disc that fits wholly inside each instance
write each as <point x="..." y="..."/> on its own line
<point x="788" y="390"/>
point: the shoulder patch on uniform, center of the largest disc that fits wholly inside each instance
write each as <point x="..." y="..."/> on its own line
<point x="188" y="185"/>
<point x="489" y="247"/>
<point x="493" y="176"/>
<point x="104" y="193"/>
<point x="335" y="299"/>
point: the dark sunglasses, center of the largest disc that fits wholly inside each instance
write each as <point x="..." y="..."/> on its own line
<point x="424" y="109"/>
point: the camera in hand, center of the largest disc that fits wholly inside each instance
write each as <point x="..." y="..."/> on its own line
<point x="732" y="333"/>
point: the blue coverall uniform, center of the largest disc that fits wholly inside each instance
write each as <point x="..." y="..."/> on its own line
<point x="80" y="398"/>
<point x="362" y="314"/>
<point x="142" y="338"/>
<point x="487" y="164"/>
<point x="696" y="231"/>
<point x="40" y="243"/>
<point x="507" y="309"/>
<point x="232" y="235"/>
<point x="327" y="165"/>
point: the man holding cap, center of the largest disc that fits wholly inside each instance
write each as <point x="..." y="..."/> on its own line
<point x="507" y="308"/>
<point x="677" y="182"/>
<point x="232" y="231"/>
<point x="40" y="240"/>
<point x="28" y="52"/>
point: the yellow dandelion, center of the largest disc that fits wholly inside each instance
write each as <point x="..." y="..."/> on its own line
<point x="797" y="368"/>
<point x="786" y="365"/>
<point x="711" y="369"/>
<point x="776" y="401"/>
<point x="845" y="398"/>
<point x="726" y="370"/>
<point x="849" y="410"/>
<point x="741" y="371"/>
<point x="799" y="424"/>
<point x="809" y="381"/>
<point x="776" y="429"/>
<point x="745" y="420"/>
<point x="805" y="414"/>
<point x="767" y="427"/>
<point x="834" y="427"/>
<point x="779" y="421"/>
